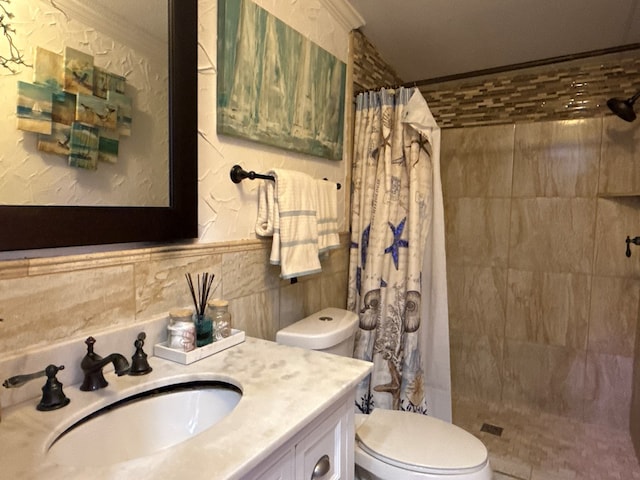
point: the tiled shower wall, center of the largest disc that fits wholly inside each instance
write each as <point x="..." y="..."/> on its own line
<point x="44" y="301"/>
<point x="634" y="421"/>
<point x="543" y="302"/>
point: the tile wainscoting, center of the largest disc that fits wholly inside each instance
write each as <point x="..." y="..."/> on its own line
<point x="43" y="301"/>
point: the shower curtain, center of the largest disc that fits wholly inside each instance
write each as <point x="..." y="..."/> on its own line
<point x="397" y="274"/>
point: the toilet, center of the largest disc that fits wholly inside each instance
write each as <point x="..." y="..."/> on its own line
<point x="390" y="444"/>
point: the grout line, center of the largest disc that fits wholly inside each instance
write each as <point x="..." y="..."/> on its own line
<point x="510" y="476"/>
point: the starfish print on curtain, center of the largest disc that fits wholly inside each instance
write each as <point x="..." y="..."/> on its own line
<point x="391" y="180"/>
<point x="397" y="241"/>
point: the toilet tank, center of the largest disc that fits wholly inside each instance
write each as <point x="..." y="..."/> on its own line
<point x="330" y="330"/>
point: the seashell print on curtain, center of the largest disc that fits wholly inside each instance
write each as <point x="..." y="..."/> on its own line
<point x="391" y="217"/>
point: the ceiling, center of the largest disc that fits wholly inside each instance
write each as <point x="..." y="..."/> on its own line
<point x="427" y="39"/>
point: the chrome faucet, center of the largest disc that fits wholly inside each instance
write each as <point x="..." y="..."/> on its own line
<point x="92" y="365"/>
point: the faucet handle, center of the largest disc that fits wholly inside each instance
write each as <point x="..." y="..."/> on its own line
<point x="90" y="342"/>
<point x="52" y="395"/>
<point x="139" y="363"/>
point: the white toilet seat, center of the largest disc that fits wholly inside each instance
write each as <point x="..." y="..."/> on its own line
<point x="418" y="443"/>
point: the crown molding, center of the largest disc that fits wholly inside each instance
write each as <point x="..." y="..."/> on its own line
<point x="344" y="13"/>
<point x="115" y="26"/>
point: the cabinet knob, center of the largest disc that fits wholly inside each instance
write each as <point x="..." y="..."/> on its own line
<point x="322" y="467"/>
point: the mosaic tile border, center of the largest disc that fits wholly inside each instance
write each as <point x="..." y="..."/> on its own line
<point x="559" y="91"/>
<point x="370" y="71"/>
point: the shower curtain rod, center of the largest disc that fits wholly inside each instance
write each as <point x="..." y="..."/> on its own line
<point x="238" y="174"/>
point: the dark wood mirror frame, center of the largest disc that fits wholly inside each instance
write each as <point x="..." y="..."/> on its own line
<point x="33" y="227"/>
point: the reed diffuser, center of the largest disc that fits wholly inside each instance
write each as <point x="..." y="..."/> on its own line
<point x="204" y="325"/>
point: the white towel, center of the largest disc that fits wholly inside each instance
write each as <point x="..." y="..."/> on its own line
<point x="265" y="223"/>
<point x="291" y="220"/>
<point x="327" y="216"/>
<point x="268" y="220"/>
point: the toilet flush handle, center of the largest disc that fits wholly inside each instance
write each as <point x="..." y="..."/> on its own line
<point x="322" y="467"/>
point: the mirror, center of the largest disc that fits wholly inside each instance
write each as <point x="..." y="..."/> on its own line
<point x="41" y="226"/>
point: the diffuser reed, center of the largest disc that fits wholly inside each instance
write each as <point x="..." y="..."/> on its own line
<point x="204" y="325"/>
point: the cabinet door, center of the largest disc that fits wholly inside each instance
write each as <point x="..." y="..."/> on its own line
<point x="322" y="454"/>
<point x="282" y="468"/>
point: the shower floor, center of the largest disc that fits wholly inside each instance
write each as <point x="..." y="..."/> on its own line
<point x="534" y="446"/>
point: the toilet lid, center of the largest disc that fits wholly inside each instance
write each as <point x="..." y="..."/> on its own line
<point x="420" y="443"/>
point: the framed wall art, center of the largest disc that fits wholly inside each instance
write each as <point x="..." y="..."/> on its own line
<point x="275" y="86"/>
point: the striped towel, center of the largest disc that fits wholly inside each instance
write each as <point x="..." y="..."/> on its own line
<point x="327" y="216"/>
<point x="291" y="219"/>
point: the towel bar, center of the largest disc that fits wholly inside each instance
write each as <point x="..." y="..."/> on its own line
<point x="238" y="174"/>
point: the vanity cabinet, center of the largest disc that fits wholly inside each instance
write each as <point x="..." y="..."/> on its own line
<point x="323" y="450"/>
<point x="281" y="466"/>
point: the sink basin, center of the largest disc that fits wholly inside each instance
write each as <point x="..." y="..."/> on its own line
<point x="144" y="423"/>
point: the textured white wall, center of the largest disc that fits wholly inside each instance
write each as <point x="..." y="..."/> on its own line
<point x="28" y="176"/>
<point x="227" y="211"/>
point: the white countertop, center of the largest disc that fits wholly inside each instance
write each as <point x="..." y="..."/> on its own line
<point x="283" y="389"/>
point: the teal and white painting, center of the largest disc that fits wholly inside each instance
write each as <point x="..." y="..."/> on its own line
<point x="83" y="151"/>
<point x="78" y="71"/>
<point x="124" y="112"/>
<point x="105" y="81"/>
<point x="96" y="111"/>
<point x="35" y="103"/>
<point x="47" y="69"/>
<point x="64" y="108"/>
<point x="58" y="142"/>
<point x="108" y="145"/>
<point x="275" y="86"/>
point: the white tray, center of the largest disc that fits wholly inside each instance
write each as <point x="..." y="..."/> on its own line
<point x="161" y="350"/>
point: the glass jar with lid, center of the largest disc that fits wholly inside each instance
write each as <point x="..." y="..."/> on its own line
<point x="218" y="310"/>
<point x="181" y="330"/>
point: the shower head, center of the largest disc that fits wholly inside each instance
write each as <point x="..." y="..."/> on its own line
<point x="623" y="108"/>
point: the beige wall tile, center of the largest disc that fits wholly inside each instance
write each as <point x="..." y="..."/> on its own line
<point x="257" y="314"/>
<point x="476" y="366"/>
<point x="617" y="219"/>
<point x="477" y="231"/>
<point x="477" y="299"/>
<point x="248" y="272"/>
<point x="548" y="308"/>
<point x="326" y="291"/>
<point x="557" y="241"/>
<point x="608" y="389"/>
<point x="619" y="166"/>
<point x="161" y="284"/>
<point x="557" y="159"/>
<point x="634" y="419"/>
<point x="291" y="304"/>
<point x="547" y="378"/>
<point x="50" y="308"/>
<point x="477" y="161"/>
<point x="614" y="312"/>
<point x="552" y="234"/>
<point x="336" y="260"/>
<point x="82" y="295"/>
